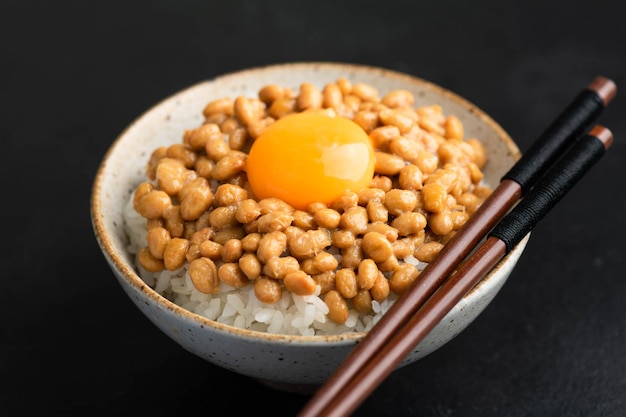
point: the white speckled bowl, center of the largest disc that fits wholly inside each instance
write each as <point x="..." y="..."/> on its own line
<point x="281" y="361"/>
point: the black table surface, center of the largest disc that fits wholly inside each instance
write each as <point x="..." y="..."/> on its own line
<point x="75" y="74"/>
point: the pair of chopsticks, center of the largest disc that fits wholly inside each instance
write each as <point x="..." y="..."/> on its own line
<point x="505" y="218"/>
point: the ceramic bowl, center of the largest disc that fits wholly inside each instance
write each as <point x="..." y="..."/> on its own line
<point x="281" y="361"/>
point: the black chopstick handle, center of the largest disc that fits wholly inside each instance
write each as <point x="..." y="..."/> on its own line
<point x="512" y="228"/>
<point x="571" y="123"/>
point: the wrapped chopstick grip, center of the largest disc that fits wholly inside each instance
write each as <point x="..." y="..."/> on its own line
<point x="551" y="188"/>
<point x="572" y="122"/>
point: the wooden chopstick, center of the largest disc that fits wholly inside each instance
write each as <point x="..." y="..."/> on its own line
<point x="573" y="120"/>
<point x="507" y="233"/>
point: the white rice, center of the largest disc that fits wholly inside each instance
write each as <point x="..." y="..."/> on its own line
<point x="239" y="307"/>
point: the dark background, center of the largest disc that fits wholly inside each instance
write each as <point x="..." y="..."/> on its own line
<point x="74" y="74"/>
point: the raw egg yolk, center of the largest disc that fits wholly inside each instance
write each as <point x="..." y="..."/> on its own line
<point x="310" y="157"/>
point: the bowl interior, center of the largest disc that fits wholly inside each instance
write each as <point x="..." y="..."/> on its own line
<point x="122" y="168"/>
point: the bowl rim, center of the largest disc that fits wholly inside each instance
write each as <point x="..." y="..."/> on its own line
<point x="132" y="278"/>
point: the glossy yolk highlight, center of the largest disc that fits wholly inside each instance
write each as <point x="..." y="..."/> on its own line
<point x="310" y="157"/>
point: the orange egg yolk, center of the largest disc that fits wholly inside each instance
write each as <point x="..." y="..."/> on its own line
<point x="310" y="157"/>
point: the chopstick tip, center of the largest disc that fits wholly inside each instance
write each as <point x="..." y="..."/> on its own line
<point x="605" y="88"/>
<point x="603" y="134"/>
